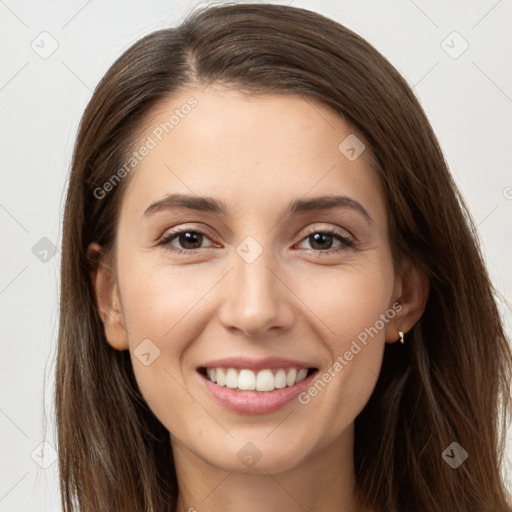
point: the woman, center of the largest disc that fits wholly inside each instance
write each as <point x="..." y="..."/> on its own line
<point x="258" y="210"/>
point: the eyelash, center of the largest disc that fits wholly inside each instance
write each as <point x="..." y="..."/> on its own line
<point x="345" y="242"/>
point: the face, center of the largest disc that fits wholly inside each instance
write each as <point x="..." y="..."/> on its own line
<point x="249" y="281"/>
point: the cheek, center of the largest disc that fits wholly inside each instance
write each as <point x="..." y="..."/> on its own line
<point x="157" y="301"/>
<point x="349" y="301"/>
<point x="353" y="311"/>
<point x="163" y="307"/>
<point x="158" y="306"/>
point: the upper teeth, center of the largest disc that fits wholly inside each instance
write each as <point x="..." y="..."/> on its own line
<point x="264" y="380"/>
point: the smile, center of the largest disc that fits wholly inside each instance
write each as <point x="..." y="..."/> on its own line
<point x="265" y="380"/>
<point x="255" y="387"/>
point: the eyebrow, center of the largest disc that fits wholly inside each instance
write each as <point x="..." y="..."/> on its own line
<point x="208" y="204"/>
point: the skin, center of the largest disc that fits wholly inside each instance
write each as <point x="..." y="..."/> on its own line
<point x="297" y="299"/>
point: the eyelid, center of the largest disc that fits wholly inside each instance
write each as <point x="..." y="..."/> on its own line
<point x="311" y="229"/>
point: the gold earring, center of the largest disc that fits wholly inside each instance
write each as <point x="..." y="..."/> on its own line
<point x="401" y="334"/>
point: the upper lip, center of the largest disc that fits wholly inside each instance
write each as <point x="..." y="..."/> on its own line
<point x="257" y="364"/>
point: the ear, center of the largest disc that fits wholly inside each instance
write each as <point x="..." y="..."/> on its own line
<point x="108" y="303"/>
<point x="411" y="291"/>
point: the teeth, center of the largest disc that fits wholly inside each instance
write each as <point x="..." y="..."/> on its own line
<point x="280" y="379"/>
<point x="291" y="378"/>
<point x="264" y="380"/>
<point x="231" y="378"/>
<point x="301" y="375"/>
<point x="220" y="376"/>
<point x="247" y="380"/>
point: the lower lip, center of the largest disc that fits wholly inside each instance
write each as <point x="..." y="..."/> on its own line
<point x="255" y="402"/>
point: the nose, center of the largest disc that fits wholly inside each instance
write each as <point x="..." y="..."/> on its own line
<point x="257" y="298"/>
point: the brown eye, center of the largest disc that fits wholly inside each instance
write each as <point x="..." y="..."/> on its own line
<point x="189" y="240"/>
<point x="323" y="241"/>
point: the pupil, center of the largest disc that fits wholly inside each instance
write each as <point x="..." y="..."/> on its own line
<point x="189" y="237"/>
<point x="319" y="237"/>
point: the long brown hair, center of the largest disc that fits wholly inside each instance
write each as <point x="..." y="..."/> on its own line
<point x="449" y="383"/>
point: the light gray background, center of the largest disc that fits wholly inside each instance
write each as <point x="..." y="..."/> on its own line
<point x="468" y="100"/>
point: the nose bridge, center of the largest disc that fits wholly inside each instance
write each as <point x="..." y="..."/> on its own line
<point x="255" y="300"/>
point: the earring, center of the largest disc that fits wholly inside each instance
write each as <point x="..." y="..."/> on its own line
<point x="401" y="334"/>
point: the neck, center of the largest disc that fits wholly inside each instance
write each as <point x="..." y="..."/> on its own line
<point x="324" y="480"/>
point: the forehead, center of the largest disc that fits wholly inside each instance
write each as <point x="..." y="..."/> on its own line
<point x="267" y="147"/>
